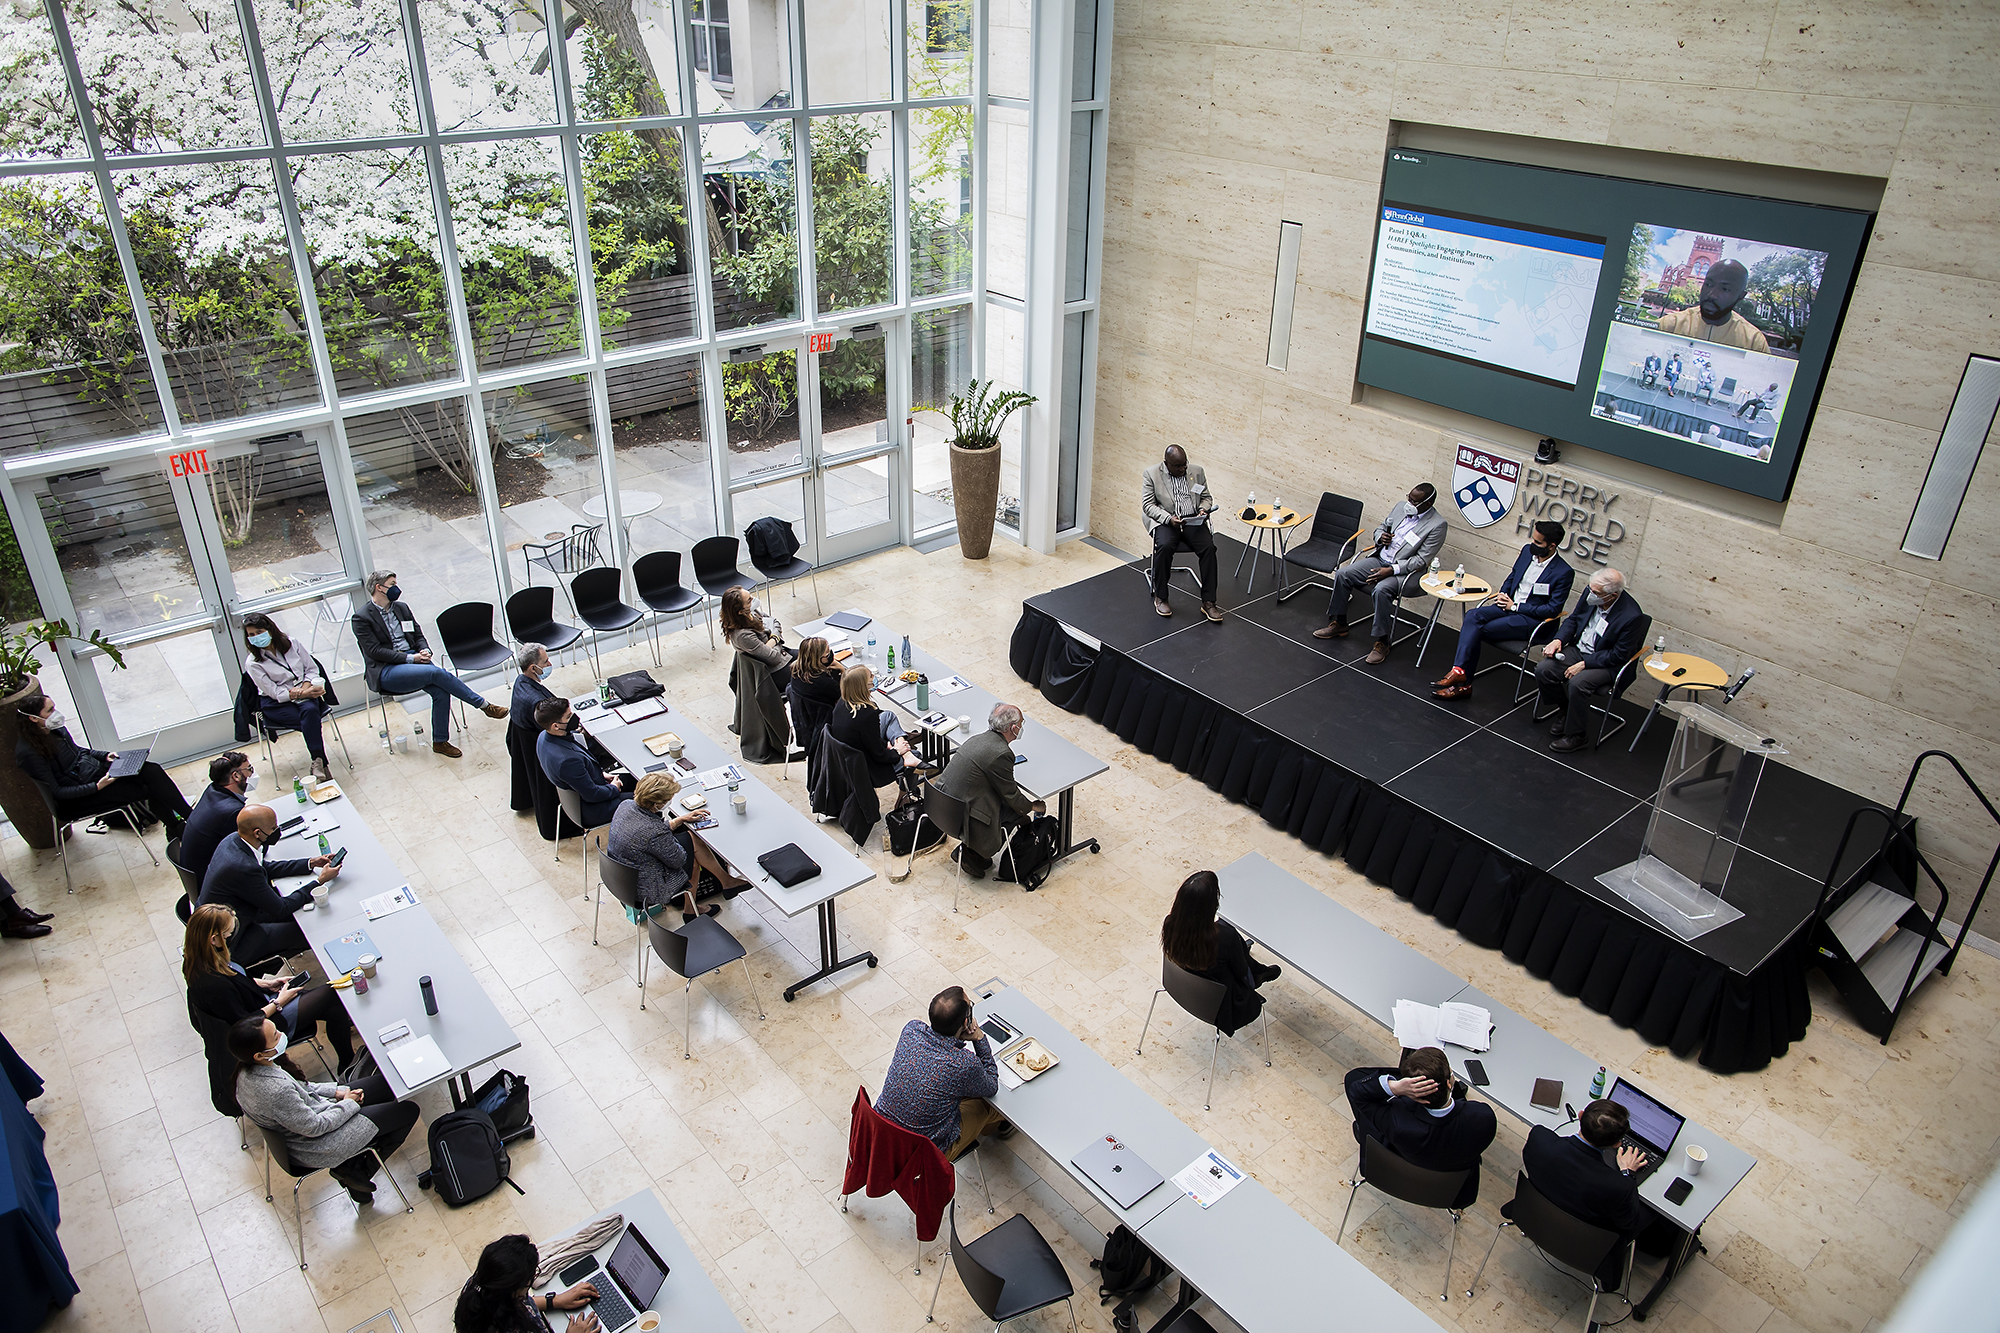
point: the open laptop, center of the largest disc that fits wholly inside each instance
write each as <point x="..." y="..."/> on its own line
<point x="637" y="1272"/>
<point x="1653" y="1130"/>
<point x="1117" y="1170"/>
<point x="130" y="762"/>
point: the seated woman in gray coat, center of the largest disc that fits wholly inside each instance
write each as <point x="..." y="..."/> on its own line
<point x="743" y="625"/>
<point x="659" y="845"/>
<point x="324" y="1124"/>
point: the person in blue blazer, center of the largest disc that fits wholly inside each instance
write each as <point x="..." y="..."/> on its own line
<point x="570" y="765"/>
<point x="1599" y="637"/>
<point x="1420" y="1113"/>
<point x="1537" y="589"/>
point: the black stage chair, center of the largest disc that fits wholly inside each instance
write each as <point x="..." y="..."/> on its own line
<point x="1335" y="531"/>
<point x="1608" y="722"/>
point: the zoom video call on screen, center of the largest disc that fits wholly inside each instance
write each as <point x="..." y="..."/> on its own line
<point x="1688" y="329"/>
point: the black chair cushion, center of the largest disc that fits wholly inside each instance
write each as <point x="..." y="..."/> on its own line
<point x="791" y="569"/>
<point x="1033" y="1275"/>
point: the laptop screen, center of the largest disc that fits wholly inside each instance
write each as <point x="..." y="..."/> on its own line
<point x="637" y="1269"/>
<point x="1650" y="1121"/>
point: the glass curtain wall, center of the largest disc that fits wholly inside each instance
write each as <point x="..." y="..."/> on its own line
<point x="499" y="253"/>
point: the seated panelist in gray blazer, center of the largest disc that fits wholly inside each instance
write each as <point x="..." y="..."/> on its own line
<point x="1176" y="504"/>
<point x="1388" y="566"/>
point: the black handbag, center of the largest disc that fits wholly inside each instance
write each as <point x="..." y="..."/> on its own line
<point x="788" y="865"/>
<point x="634" y="686"/>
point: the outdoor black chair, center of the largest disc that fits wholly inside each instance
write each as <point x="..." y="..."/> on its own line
<point x="571" y="553"/>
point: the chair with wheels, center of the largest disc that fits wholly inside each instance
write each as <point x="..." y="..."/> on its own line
<point x="594" y="594"/>
<point x="1202" y="999"/>
<point x="716" y="572"/>
<point x="790" y="570"/>
<point x="1336" y="531"/>
<point x="948" y="813"/>
<point x="465" y="631"/>
<point x="1009" y="1272"/>
<point x="656" y="577"/>
<point x="696" y="949"/>
<point x="62" y="814"/>
<point x="278" y="1149"/>
<point x="572" y="808"/>
<point x="1609" y="723"/>
<point x="1563" y="1238"/>
<point x="531" y="619"/>
<point x="1382" y="1168"/>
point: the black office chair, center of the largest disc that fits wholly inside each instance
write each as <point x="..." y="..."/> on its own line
<point x="1567" y="1240"/>
<point x="190" y="886"/>
<point x="531" y="619"/>
<point x="694" y="950"/>
<point x="572" y="808"/>
<point x="1202" y="999"/>
<point x="87" y="808"/>
<point x="789" y="571"/>
<point x="656" y="577"/>
<point x="1516" y="653"/>
<point x="949" y="814"/>
<point x="623" y="882"/>
<point x="277" y="1149"/>
<point x="1609" y="723"/>
<point x="571" y="553"/>
<point x="715" y="570"/>
<point x="1336" y="528"/>
<point x="1009" y="1272"/>
<point x="466" y="633"/>
<point x="594" y="594"/>
<point x="1398" y="1179"/>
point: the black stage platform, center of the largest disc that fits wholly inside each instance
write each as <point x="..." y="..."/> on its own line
<point x="1459" y="807"/>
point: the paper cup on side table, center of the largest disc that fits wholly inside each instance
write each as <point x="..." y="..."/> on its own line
<point x="1697" y="1157"/>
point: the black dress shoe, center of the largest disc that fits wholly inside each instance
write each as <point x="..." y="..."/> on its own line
<point x="1568" y="744"/>
<point x="1557" y="727"/>
<point x="18" y="929"/>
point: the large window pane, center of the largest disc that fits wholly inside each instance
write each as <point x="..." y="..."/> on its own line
<point x="639" y="237"/>
<point x="1069" y="438"/>
<point x="1079" y="204"/>
<point x="72" y="362"/>
<point x="277" y="525"/>
<point x="617" y="78"/>
<point x="488" y="64"/>
<point x="1005" y="346"/>
<point x="420" y="501"/>
<point x="165" y="682"/>
<point x="549" y="481"/>
<point x="119" y="543"/>
<point x="510" y="215"/>
<point x="658" y="435"/>
<point x="1083" y="68"/>
<point x="762" y="401"/>
<point x="850" y="51"/>
<point x="857" y="495"/>
<point x="37" y="116"/>
<point x="371" y="228"/>
<point x="338" y="70"/>
<point x="158" y="84"/>
<point x="940" y="365"/>
<point x="853" y="397"/>
<point x="217" y="268"/>
<point x="941" y="200"/>
<point x="753" y="241"/>
<point x="742" y="54"/>
<point x="853" y="230"/>
<point x="1007" y="151"/>
<point x="940" y="47"/>
<point x="1008" y="51"/>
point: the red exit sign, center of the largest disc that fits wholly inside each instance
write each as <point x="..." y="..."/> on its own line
<point x="819" y="342"/>
<point x="188" y="463"/>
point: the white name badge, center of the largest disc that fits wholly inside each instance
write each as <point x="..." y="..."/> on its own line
<point x="1541" y="590"/>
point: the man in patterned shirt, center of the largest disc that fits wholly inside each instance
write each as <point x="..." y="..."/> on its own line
<point x="938" y="1088"/>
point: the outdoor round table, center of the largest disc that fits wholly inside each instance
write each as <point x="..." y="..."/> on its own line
<point x="1278" y="527"/>
<point x="1438" y="585"/>
<point x="631" y="505"/>
<point x="1678" y="671"/>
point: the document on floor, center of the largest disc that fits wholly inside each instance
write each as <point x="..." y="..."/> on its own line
<point x="1419" y="1025"/>
<point x="1207" y="1178"/>
<point x="388" y="904"/>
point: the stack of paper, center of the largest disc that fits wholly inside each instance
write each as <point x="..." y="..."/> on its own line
<point x="719" y="777"/>
<point x="1419" y="1025"/>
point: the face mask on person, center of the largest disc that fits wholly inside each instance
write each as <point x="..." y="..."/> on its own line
<point x="250" y="783"/>
<point x="542" y="672"/>
<point x="279" y="1049"/>
<point x="260" y="640"/>
<point x="1595" y="599"/>
<point x="55" y="721"/>
<point x="393" y="593"/>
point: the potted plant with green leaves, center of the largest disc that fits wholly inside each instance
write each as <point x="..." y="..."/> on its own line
<point x="976" y="418"/>
<point x="18" y="683"/>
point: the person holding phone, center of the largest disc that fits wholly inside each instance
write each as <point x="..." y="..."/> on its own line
<point x="500" y="1297"/>
<point x="221" y="992"/>
<point x="239" y="878"/>
<point x="324" y="1124"/>
<point x="936" y="1086"/>
<point x="1175" y="502"/>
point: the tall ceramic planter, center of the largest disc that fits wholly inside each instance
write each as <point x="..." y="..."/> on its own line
<point x="18" y="796"/>
<point x="975" y="495"/>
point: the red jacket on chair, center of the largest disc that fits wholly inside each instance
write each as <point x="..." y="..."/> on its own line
<point x="883" y="1157"/>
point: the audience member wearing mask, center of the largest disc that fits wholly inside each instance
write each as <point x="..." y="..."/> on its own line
<point x="399" y="659"/>
<point x="743" y="625"/>
<point x="231" y="777"/>
<point x="18" y="922"/>
<point x="658" y="843"/>
<point x="239" y="878"/>
<point x="499" y="1296"/>
<point x="80" y="777"/>
<point x="531" y="787"/>
<point x="222" y="992"/>
<point x="569" y="764"/>
<point x="289" y="684"/>
<point x="324" y="1124"/>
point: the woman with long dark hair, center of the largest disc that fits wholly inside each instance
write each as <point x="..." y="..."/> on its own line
<point x="291" y="690"/>
<point x="1194" y="940"/>
<point x="80" y="777"/>
<point x="220" y="990"/>
<point x="498" y="1297"/>
<point x="743" y="625"/>
<point x="324" y="1124"/>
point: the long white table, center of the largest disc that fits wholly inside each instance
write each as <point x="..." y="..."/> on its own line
<point x="767" y="823"/>
<point x="688" y="1301"/>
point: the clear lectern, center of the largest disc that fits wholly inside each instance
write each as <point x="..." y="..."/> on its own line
<point x="1696" y="827"/>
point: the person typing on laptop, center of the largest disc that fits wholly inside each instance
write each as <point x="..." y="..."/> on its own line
<point x="80" y="778"/>
<point x="1573" y="1175"/>
<point x="499" y="1296"/>
<point x="938" y="1088"/>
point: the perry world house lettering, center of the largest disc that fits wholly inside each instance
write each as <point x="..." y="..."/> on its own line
<point x="1595" y="516"/>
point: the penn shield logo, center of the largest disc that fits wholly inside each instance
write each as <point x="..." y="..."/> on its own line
<point x="1483" y="485"/>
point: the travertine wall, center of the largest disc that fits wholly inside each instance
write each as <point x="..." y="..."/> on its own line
<point x="1225" y="120"/>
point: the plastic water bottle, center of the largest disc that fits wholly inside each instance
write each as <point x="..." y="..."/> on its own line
<point x="1434" y="568"/>
<point x="1277" y="506"/>
<point x="1659" y="652"/>
<point x="1458" y="580"/>
<point x="869" y="656"/>
<point x="298" y="789"/>
<point x="325" y="847"/>
<point x="1597" y="1084"/>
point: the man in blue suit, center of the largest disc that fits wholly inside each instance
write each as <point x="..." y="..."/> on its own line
<point x="1599" y="637"/>
<point x="1537" y="589"/>
<point x="239" y="878"/>
<point x="570" y="765"/>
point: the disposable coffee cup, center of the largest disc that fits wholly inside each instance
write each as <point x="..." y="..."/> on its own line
<point x="320" y="895"/>
<point x="402" y="745"/>
<point x="739" y="801"/>
<point x="1697" y="1158"/>
<point x="366" y="962"/>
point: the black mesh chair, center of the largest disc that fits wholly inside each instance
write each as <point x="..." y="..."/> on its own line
<point x="571" y="553"/>
<point x="1202" y="999"/>
<point x="531" y="619"/>
<point x="694" y="950"/>
<point x="1567" y="1240"/>
<point x="790" y="571"/>
<point x="278" y="1149"/>
<point x="1009" y="1272"/>
<point x="715" y="570"/>
<point x="1609" y="723"/>
<point x="594" y="594"/>
<point x="466" y="633"/>
<point x="1335" y="532"/>
<point x="656" y="577"/>
<point x="623" y="883"/>
<point x="1413" y="1184"/>
<point x="62" y="813"/>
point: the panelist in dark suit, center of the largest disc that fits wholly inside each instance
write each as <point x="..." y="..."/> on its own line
<point x="1417" y="1113"/>
<point x="239" y="878"/>
<point x="230" y="776"/>
<point x="1599" y="637"/>
<point x="570" y="765"/>
<point x="1572" y="1174"/>
<point x="1537" y="588"/>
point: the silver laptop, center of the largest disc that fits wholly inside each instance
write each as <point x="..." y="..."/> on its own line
<point x="1117" y="1170"/>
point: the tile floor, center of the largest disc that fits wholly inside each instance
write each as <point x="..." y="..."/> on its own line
<point x="1867" y="1153"/>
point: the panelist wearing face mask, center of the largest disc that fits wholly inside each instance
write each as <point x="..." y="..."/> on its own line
<point x="231" y="777"/>
<point x="239" y="878"/>
<point x="399" y="659"/>
<point x="1599" y="637"/>
<point x="532" y="789"/>
<point x="289" y="684"/>
<point x="80" y="778"/>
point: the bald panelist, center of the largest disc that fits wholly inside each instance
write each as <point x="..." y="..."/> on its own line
<point x="1174" y="500"/>
<point x="239" y="878"/>
<point x="1714" y="318"/>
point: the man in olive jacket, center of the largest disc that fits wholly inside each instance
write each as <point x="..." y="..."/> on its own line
<point x="981" y="773"/>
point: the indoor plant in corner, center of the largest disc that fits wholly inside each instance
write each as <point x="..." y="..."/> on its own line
<point x="19" y="682"/>
<point x="976" y="418"/>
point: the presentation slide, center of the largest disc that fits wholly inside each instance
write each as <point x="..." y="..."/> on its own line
<point x="1478" y="290"/>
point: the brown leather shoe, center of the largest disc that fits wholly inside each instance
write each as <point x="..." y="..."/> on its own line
<point x="447" y="749"/>
<point x="1160" y="605"/>
<point x="1455" y="676"/>
<point x="1212" y="611"/>
<point x="493" y="710"/>
<point x="1333" y="629"/>
<point x="1453" y="692"/>
<point x="1379" y="653"/>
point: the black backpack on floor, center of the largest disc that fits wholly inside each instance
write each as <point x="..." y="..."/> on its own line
<point x="902" y="830"/>
<point x="1029" y="858"/>
<point x="468" y="1160"/>
<point x="1128" y="1269"/>
<point x="505" y="1098"/>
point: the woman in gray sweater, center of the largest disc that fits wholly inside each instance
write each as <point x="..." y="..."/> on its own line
<point x="324" y="1124"/>
<point x="645" y="836"/>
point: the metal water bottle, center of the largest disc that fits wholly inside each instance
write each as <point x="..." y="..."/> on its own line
<point x="923" y="693"/>
<point x="907" y="663"/>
